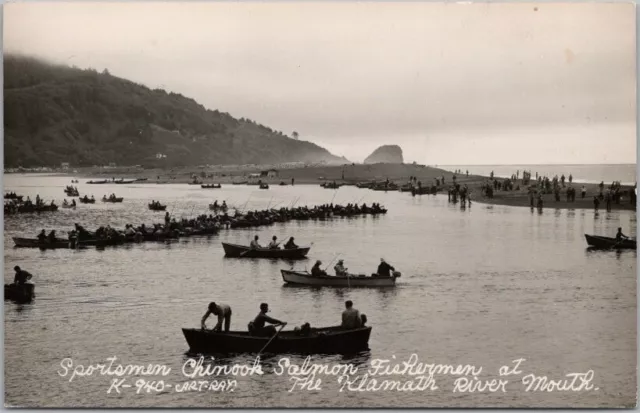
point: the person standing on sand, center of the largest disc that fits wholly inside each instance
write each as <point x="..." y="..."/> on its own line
<point x="570" y="178"/>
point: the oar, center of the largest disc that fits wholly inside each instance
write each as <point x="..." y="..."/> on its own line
<point x="274" y="336"/>
<point x="334" y="258"/>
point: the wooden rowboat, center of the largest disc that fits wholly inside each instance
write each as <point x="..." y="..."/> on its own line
<point x="305" y="278"/>
<point x="264" y="186"/>
<point x="112" y="200"/>
<point x="36" y="243"/>
<point x="211" y="186"/>
<point x="68" y="206"/>
<point x="157" y="207"/>
<point x="23" y="293"/>
<point x="610" y="243"/>
<point x="327" y="340"/>
<point x="87" y="201"/>
<point x="241" y="251"/>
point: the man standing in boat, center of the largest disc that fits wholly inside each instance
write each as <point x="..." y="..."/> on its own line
<point x="257" y="326"/>
<point x="350" y="317"/>
<point x="21" y="276"/>
<point x="223" y="312"/>
<point x="290" y="244"/>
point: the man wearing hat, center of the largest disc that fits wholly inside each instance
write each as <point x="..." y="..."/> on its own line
<point x="223" y="312"/>
<point x="384" y="269"/>
<point x="340" y="270"/>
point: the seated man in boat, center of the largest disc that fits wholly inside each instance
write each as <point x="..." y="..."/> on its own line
<point x="290" y="245"/>
<point x="620" y="236"/>
<point x="384" y="269"/>
<point x="224" y="204"/>
<point x="350" y="317"/>
<point x="257" y="326"/>
<point x="52" y="236"/>
<point x="215" y="204"/>
<point x="65" y="202"/>
<point x="316" y="271"/>
<point x="42" y="236"/>
<point x="255" y="244"/>
<point x="21" y="276"/>
<point x="341" y="271"/>
<point x="274" y="244"/>
<point x="223" y="312"/>
<point x="73" y="202"/>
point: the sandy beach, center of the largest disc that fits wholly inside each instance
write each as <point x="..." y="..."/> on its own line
<point x="352" y="174"/>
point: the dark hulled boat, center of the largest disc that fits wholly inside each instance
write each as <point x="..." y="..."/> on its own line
<point x="122" y="181"/>
<point x="264" y="186"/>
<point x="23" y="293"/>
<point x="327" y="340"/>
<point x="36" y="243"/>
<point x="112" y="200"/>
<point x="596" y="241"/>
<point x="157" y="207"/>
<point x="211" y="186"/>
<point x="87" y="200"/>
<point x="240" y="251"/>
<point x="97" y="182"/>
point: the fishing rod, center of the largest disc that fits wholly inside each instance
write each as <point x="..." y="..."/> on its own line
<point x="245" y="204"/>
<point x="334" y="258"/>
<point x="334" y="195"/>
<point x="269" y="203"/>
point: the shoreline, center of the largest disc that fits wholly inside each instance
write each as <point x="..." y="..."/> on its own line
<point x="352" y="174"/>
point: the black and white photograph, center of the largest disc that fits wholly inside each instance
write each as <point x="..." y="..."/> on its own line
<point x="320" y="205"/>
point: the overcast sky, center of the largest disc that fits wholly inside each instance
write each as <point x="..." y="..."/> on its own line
<point x="449" y="83"/>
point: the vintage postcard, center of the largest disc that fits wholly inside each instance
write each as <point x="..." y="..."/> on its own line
<point x="320" y="204"/>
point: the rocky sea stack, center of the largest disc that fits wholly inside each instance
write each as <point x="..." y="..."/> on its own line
<point x="385" y="154"/>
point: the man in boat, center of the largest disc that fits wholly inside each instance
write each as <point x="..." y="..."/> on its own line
<point x="65" y="202"/>
<point x="167" y="219"/>
<point x="73" y="202"/>
<point x="257" y="326"/>
<point x="255" y="244"/>
<point x="42" y="236"/>
<point x="620" y="236"/>
<point x="223" y="312"/>
<point x="224" y="205"/>
<point x="274" y="244"/>
<point x="290" y="245"/>
<point x="21" y="276"/>
<point x="384" y="269"/>
<point x="52" y="236"/>
<point x="316" y="271"/>
<point x="341" y="271"/>
<point x="350" y="317"/>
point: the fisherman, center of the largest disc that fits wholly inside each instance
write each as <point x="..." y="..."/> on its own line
<point x="223" y="312"/>
<point x="73" y="202"/>
<point x="620" y="236"/>
<point x="384" y="269"/>
<point x="255" y="244"/>
<point x="290" y="245"/>
<point x="21" y="276"/>
<point x="224" y="205"/>
<point x="341" y="271"/>
<point x="257" y="326"/>
<point x="42" y="236"/>
<point x="52" y="236"/>
<point x="274" y="244"/>
<point x="350" y="317"/>
<point x="316" y="271"/>
<point x="65" y="202"/>
<point x="167" y="219"/>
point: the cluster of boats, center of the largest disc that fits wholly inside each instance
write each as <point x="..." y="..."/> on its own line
<point x="15" y="205"/>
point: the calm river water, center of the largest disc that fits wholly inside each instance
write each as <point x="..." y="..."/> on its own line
<point x="483" y="285"/>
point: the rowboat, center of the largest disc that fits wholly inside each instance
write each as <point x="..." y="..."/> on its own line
<point x="211" y="186"/>
<point x="21" y="293"/>
<point x="157" y="207"/>
<point x="606" y="242"/>
<point x="68" y="206"/>
<point x="305" y="278"/>
<point x="36" y="243"/>
<point x="240" y="183"/>
<point x="112" y="200"/>
<point x="240" y="251"/>
<point x="87" y="201"/>
<point x="122" y="181"/>
<point x="13" y="196"/>
<point x="264" y="186"/>
<point x="98" y="182"/>
<point x="326" y="340"/>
